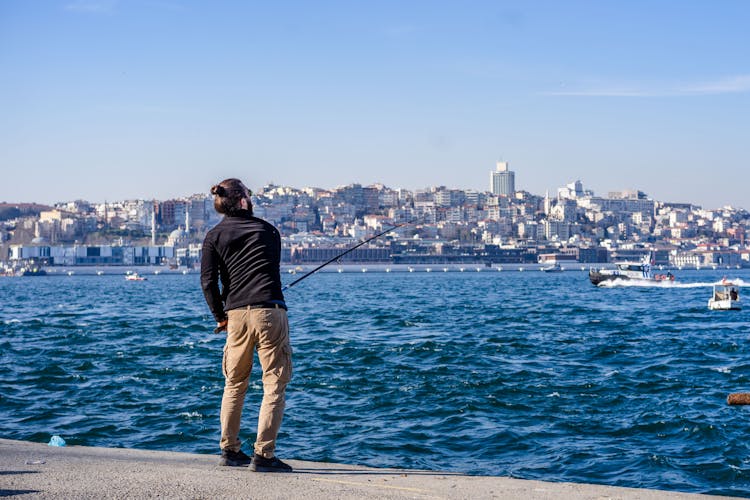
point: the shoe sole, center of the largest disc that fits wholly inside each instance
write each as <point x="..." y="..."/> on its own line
<point x="260" y="468"/>
<point x="232" y="463"/>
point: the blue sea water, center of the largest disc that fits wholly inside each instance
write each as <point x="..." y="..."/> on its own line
<point x="523" y="374"/>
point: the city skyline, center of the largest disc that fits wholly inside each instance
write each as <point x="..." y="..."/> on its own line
<point x="552" y="193"/>
<point x="108" y="100"/>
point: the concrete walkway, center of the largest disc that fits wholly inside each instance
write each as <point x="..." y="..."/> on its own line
<point x="34" y="470"/>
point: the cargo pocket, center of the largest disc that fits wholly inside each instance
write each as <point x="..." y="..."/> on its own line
<point x="286" y="352"/>
<point x="278" y="371"/>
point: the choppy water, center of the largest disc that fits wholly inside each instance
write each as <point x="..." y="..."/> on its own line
<point x="526" y="374"/>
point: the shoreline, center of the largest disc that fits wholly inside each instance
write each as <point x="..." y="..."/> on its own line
<point x="364" y="267"/>
<point x="36" y="470"/>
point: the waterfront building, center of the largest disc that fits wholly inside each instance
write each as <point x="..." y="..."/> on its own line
<point x="686" y="259"/>
<point x="305" y="254"/>
<point x="503" y="180"/>
<point x="91" y="255"/>
<point x="190" y="255"/>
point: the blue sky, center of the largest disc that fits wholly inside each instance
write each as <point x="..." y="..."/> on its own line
<point x="106" y="99"/>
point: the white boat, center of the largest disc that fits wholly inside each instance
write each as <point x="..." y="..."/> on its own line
<point x="135" y="277"/>
<point x="555" y="268"/>
<point x="725" y="297"/>
<point x="639" y="272"/>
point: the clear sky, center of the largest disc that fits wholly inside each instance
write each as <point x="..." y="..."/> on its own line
<point x="109" y="100"/>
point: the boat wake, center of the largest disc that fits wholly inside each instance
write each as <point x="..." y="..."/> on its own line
<point x="666" y="284"/>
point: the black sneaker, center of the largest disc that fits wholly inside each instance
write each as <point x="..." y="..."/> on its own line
<point x="263" y="464"/>
<point x="234" y="458"/>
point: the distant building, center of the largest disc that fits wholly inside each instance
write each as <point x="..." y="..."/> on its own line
<point x="573" y="191"/>
<point x="503" y="180"/>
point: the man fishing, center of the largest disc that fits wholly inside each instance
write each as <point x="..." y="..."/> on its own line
<point x="243" y="253"/>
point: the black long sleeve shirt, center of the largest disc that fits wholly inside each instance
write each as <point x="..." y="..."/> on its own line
<point x="243" y="253"/>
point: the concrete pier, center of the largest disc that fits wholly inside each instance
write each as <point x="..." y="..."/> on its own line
<point x="34" y="470"/>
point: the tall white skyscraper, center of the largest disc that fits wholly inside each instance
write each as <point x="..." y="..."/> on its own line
<point x="503" y="180"/>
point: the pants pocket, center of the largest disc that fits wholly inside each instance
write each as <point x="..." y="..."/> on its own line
<point x="286" y="354"/>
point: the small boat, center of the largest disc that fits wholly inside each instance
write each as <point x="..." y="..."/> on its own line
<point x="135" y="277"/>
<point x="725" y="297"/>
<point x="638" y="272"/>
<point x="32" y="271"/>
<point x="555" y="268"/>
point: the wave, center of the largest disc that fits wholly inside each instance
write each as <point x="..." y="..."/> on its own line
<point x="618" y="283"/>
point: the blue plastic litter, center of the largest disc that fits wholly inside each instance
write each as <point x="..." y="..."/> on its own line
<point x="56" y="441"/>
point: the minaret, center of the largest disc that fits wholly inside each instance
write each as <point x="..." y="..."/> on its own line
<point x="187" y="218"/>
<point x="153" y="225"/>
<point x="546" y="202"/>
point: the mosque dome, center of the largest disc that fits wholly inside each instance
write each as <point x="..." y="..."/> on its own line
<point x="177" y="236"/>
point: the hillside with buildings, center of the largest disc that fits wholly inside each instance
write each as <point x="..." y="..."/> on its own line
<point x="441" y="226"/>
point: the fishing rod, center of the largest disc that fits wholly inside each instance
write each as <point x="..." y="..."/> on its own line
<point x="290" y="285"/>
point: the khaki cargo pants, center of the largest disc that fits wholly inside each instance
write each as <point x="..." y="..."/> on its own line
<point x="266" y="330"/>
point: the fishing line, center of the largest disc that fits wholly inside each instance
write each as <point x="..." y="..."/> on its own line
<point x="334" y="259"/>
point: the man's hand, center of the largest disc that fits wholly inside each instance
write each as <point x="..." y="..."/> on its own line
<point x="221" y="326"/>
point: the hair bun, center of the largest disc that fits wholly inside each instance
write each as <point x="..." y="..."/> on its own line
<point x="218" y="190"/>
